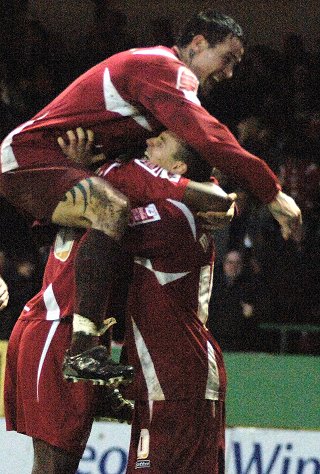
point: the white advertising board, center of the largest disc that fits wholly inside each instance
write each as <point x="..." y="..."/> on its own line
<point x="267" y="451"/>
<point x="249" y="451"/>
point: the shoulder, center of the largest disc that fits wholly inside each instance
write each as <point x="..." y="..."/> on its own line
<point x="154" y="53"/>
<point x="146" y="57"/>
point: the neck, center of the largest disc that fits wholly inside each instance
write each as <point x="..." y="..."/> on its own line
<point x="182" y="55"/>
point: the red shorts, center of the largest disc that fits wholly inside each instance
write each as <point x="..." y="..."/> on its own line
<point x="182" y="437"/>
<point x="38" y="401"/>
<point x="45" y="175"/>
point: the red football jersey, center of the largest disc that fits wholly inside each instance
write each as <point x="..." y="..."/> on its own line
<point x="174" y="355"/>
<point x="127" y="98"/>
<point x="168" y="304"/>
<point x="139" y="180"/>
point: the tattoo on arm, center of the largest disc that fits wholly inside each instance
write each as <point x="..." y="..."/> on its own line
<point x="86" y="193"/>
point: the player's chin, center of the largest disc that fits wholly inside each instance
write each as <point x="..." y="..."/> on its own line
<point x="208" y="84"/>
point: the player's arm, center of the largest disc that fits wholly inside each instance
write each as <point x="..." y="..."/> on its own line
<point x="161" y="92"/>
<point x="287" y="213"/>
<point x="168" y="90"/>
<point x="202" y="197"/>
<point x="198" y="196"/>
<point x="4" y="294"/>
<point x="211" y="220"/>
<point x="207" y="197"/>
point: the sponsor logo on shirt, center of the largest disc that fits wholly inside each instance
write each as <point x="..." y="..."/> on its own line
<point x="143" y="463"/>
<point x="144" y="215"/>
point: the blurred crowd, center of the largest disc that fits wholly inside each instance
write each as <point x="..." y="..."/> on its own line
<point x="273" y="107"/>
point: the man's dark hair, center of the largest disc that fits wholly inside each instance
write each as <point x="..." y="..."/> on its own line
<point x="214" y="26"/>
<point x="198" y="169"/>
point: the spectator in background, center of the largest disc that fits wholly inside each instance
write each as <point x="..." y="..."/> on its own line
<point x="302" y="92"/>
<point x="300" y="177"/>
<point x="162" y="31"/>
<point x="12" y="107"/>
<point x="33" y="71"/>
<point x="255" y="90"/>
<point x="16" y="237"/>
<point x="259" y="85"/>
<point x="288" y="269"/>
<point x="239" y="301"/>
<point x="259" y="135"/>
<point x="294" y="50"/>
<point x="109" y="36"/>
<point x="38" y="85"/>
<point x="4" y="292"/>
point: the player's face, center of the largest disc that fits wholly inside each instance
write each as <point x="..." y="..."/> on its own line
<point x="216" y="62"/>
<point x="161" y="150"/>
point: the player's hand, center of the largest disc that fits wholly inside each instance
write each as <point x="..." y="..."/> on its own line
<point x="211" y="220"/>
<point x="4" y="294"/>
<point x="288" y="214"/>
<point x="79" y="146"/>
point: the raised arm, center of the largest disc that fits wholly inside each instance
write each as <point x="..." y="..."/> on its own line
<point x="207" y="197"/>
<point x="199" y="196"/>
<point x="175" y="104"/>
<point x="168" y="90"/>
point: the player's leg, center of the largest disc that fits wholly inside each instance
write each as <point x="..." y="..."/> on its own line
<point x="24" y="403"/>
<point x="52" y="460"/>
<point x="66" y="194"/>
<point x="111" y="405"/>
<point x="95" y="204"/>
<point x="41" y="404"/>
<point x="179" y="436"/>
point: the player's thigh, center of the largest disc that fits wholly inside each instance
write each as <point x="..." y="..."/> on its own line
<point x="52" y="188"/>
<point x="53" y="460"/>
<point x="48" y="407"/>
<point x="36" y="191"/>
<point x="182" y="436"/>
<point x="11" y="380"/>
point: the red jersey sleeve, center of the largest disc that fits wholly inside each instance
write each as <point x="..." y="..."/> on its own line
<point x="143" y="182"/>
<point x="167" y="89"/>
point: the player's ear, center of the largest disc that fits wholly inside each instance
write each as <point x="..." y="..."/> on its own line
<point x="198" y="43"/>
<point x="179" y="167"/>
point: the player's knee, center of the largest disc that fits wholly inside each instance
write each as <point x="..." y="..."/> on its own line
<point x="101" y="188"/>
<point x="105" y="196"/>
<point x="94" y="203"/>
<point x="109" y="209"/>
